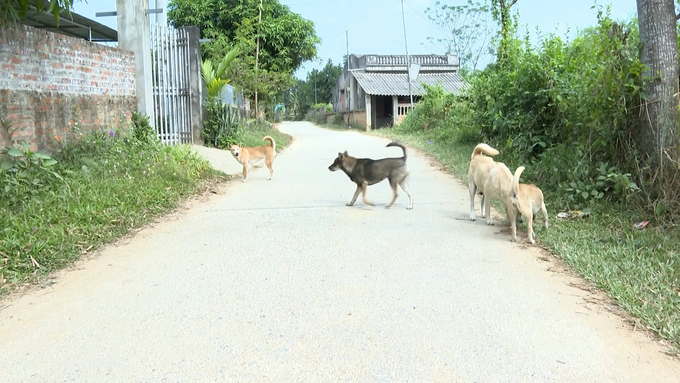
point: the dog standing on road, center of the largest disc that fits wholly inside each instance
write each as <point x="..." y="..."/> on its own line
<point x="498" y="185"/>
<point x="528" y="200"/>
<point x="247" y="155"/>
<point x="480" y="166"/>
<point x="365" y="171"/>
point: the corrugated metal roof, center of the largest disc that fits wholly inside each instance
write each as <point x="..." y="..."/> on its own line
<point x="396" y="84"/>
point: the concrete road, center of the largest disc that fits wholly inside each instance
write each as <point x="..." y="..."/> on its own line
<point x="280" y="281"/>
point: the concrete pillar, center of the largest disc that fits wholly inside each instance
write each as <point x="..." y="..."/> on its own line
<point x="133" y="35"/>
<point x="195" y="83"/>
<point x="395" y="110"/>
<point x="369" y="113"/>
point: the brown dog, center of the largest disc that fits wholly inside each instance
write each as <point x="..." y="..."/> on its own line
<point x="498" y="185"/>
<point x="528" y="200"/>
<point x="366" y="171"/>
<point x="480" y="166"/>
<point x="247" y="155"/>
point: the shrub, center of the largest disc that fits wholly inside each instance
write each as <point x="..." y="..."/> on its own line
<point x="142" y="129"/>
<point x="222" y="125"/>
<point x="567" y="110"/>
<point x="338" y="119"/>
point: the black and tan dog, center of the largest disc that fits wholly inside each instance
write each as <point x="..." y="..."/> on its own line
<point x="366" y="171"/>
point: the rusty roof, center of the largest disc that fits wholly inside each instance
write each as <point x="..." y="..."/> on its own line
<point x="396" y="84"/>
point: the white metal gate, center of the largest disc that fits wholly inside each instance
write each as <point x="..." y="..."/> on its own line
<point x="170" y="66"/>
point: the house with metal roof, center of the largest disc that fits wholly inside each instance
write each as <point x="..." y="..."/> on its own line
<point x="375" y="88"/>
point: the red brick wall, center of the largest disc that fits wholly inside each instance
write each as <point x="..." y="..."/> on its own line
<point x="54" y="87"/>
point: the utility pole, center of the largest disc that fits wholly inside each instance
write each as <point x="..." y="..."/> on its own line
<point x="408" y="59"/>
<point x="257" y="57"/>
<point x="349" y="77"/>
<point x="315" y="73"/>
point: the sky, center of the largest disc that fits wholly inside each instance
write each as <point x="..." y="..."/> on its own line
<point x="378" y="27"/>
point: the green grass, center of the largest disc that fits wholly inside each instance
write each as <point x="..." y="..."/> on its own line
<point x="639" y="269"/>
<point x="252" y="135"/>
<point x="110" y="186"/>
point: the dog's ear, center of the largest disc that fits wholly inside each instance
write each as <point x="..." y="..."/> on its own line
<point x="346" y="153"/>
<point x="339" y="155"/>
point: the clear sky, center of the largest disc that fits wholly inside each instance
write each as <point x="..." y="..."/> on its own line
<point x="375" y="26"/>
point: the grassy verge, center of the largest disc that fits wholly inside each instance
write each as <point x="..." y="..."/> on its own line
<point x="639" y="269"/>
<point x="252" y="135"/>
<point x="110" y="186"/>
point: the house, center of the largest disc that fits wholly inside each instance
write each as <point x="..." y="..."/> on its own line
<point x="373" y="90"/>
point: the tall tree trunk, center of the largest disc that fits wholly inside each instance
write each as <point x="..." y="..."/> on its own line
<point x="659" y="113"/>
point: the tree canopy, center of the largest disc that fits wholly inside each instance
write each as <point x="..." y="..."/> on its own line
<point x="324" y="80"/>
<point x="286" y="39"/>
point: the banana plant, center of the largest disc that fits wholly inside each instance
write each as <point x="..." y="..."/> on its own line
<point x="215" y="80"/>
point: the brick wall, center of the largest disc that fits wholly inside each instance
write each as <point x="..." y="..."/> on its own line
<point x="54" y="87"/>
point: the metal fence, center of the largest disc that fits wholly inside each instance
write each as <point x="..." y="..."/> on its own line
<point x="170" y="66"/>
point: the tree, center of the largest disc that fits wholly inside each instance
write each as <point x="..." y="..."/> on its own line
<point x="500" y="9"/>
<point x="15" y="10"/>
<point x="286" y="39"/>
<point x="469" y="28"/>
<point x="659" y="54"/>
<point x="318" y="87"/>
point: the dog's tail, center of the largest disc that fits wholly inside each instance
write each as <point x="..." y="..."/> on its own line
<point x="395" y="143"/>
<point x="515" y="180"/>
<point x="273" y="145"/>
<point x="484" y="148"/>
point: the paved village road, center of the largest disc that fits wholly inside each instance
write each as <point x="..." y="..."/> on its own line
<point x="280" y="281"/>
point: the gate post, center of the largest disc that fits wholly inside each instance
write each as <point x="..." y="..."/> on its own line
<point x="133" y="35"/>
<point x="195" y="83"/>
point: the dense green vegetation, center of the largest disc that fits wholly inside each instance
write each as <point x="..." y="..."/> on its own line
<point x="570" y="112"/>
<point x="286" y="40"/>
<point x="92" y="192"/>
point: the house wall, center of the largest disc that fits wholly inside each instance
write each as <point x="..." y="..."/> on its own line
<point x="357" y="101"/>
<point x="54" y="87"/>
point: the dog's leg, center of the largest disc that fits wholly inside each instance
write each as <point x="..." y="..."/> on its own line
<point x="405" y="187"/>
<point x="545" y="215"/>
<point x="364" y="186"/>
<point x="393" y="185"/>
<point x="483" y="208"/>
<point x="356" y="195"/>
<point x="513" y="223"/>
<point x="487" y="209"/>
<point x="268" y="162"/>
<point x="245" y="171"/>
<point x="529" y="216"/>
<point x="473" y="193"/>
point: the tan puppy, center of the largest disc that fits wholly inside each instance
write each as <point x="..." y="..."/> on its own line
<point x="498" y="185"/>
<point x="528" y="200"/>
<point x="480" y="165"/>
<point x="247" y="155"/>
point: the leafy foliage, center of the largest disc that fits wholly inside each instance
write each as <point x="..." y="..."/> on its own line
<point x="566" y="110"/>
<point x="286" y="40"/>
<point x="470" y="30"/>
<point x="222" y="126"/>
<point x="107" y="185"/>
<point x="317" y="113"/>
<point x="142" y="130"/>
<point x="323" y="80"/>
<point x="15" y="10"/>
<point x="215" y="80"/>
